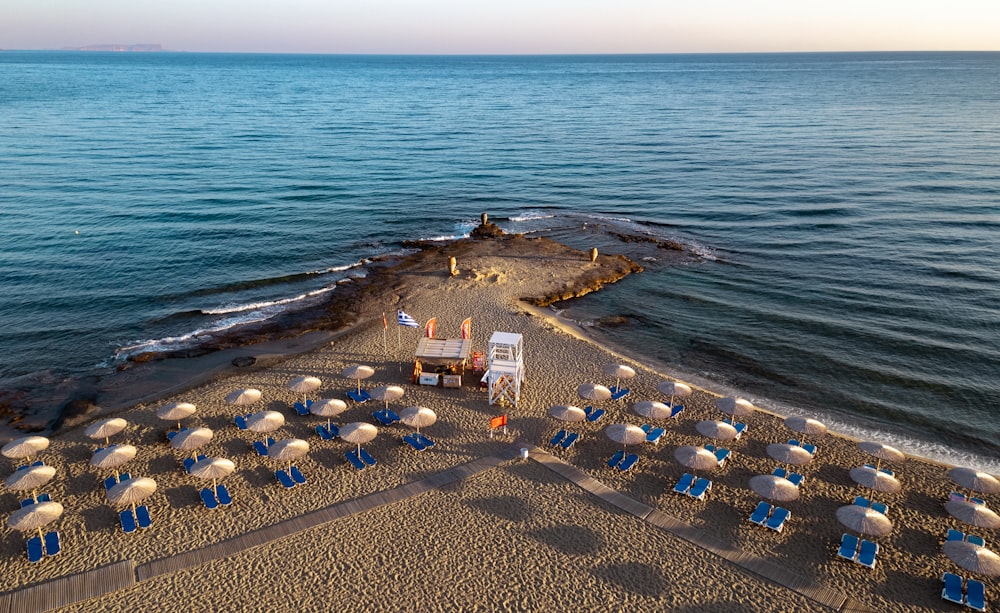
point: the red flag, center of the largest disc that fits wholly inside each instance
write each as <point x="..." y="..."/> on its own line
<point x="467" y="328"/>
<point x="498" y="422"/>
<point x="431" y="327"/>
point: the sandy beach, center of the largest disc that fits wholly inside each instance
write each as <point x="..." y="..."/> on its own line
<point x="512" y="536"/>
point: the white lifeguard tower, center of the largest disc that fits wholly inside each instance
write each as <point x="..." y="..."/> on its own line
<point x="505" y="367"/>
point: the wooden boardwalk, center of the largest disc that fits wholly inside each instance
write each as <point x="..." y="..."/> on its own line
<point x="108" y="579"/>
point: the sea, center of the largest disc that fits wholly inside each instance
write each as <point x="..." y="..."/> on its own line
<point x="835" y="217"/>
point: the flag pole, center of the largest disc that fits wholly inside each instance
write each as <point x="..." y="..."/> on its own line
<point x="385" y="334"/>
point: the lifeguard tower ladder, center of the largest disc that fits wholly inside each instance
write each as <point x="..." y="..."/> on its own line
<point x="505" y="370"/>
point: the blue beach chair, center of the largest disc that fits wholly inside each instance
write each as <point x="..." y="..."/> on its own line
<point x="761" y="513"/>
<point x="324" y="433"/>
<point x="223" y="495"/>
<point x="367" y="458"/>
<point x="52" y="544"/>
<point x="142" y="516"/>
<point x="35" y="551"/>
<point x="953" y="588"/>
<point x="569" y="440"/>
<point x="284" y="479"/>
<point x="618" y="393"/>
<point x="676" y="410"/>
<point x="412" y="441"/>
<point x="297" y="475"/>
<point x="594" y="414"/>
<point x="955" y="535"/>
<point x="241" y="422"/>
<point x="848" y="547"/>
<point x="778" y="519"/>
<point x="976" y="540"/>
<point x="359" y="396"/>
<point x="684" y="484"/>
<point x="426" y="442"/>
<point x="208" y="498"/>
<point x="700" y="488"/>
<point x="127" y="519"/>
<point x="616" y="459"/>
<point x="628" y="462"/>
<point x="354" y="460"/>
<point x="867" y="552"/>
<point x="975" y="595"/>
<point x="558" y="438"/>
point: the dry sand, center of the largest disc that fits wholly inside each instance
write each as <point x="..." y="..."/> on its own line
<point x="513" y="537"/>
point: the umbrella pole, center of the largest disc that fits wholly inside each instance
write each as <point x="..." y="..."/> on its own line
<point x="359" y="387"/>
<point x="215" y="487"/>
<point x="329" y="423"/>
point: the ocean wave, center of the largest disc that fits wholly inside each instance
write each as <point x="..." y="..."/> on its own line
<point x="268" y="304"/>
<point x="531" y="216"/>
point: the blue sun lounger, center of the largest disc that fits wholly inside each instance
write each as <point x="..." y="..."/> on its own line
<point x="954" y="535"/>
<point x="426" y="442"/>
<point x="284" y="479"/>
<point x="303" y="409"/>
<point x="41" y="498"/>
<point x="810" y="448"/>
<point x="327" y="434"/>
<point x="848" y="547"/>
<point x="700" y="488"/>
<point x="976" y="540"/>
<point x="616" y="459"/>
<point x="721" y="454"/>
<point x="795" y="478"/>
<point x="172" y="433"/>
<point x="975" y="595"/>
<point x="558" y="438"/>
<point x="628" y="462"/>
<point x="761" y="513"/>
<point x="568" y="441"/>
<point x="110" y="482"/>
<point x="208" y="498"/>
<point x="594" y="414"/>
<point x="142" y="516"/>
<point x="35" y="551"/>
<point x="355" y="461"/>
<point x="367" y="457"/>
<point x="261" y="447"/>
<point x="881" y="507"/>
<point x="52" y="544"/>
<point x="127" y="519"/>
<point x="240" y="421"/>
<point x="953" y="588"/>
<point x="866" y="555"/>
<point x="414" y="442"/>
<point x="740" y="428"/>
<point x="778" y="519"/>
<point x="881" y="470"/>
<point x="386" y="417"/>
<point x="223" y="495"/>
<point x="297" y="475"/>
<point x="676" y="410"/>
<point x="617" y="393"/>
<point x="684" y="484"/>
<point x="189" y="462"/>
<point x="653" y="435"/>
<point x="359" y="396"/>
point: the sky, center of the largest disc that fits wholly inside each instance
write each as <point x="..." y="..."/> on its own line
<point x="505" y="27"/>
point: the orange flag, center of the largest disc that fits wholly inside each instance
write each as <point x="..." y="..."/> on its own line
<point x="498" y="422"/>
<point x="431" y="327"/>
<point x="467" y="328"/>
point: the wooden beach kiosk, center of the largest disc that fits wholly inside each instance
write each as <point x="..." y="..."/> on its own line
<point x="505" y="367"/>
<point x="443" y="354"/>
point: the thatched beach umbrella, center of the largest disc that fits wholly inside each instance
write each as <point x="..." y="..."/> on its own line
<point x="864" y="520"/>
<point x="105" y="428"/>
<point x="35" y="516"/>
<point x="191" y="440"/>
<point x="875" y="479"/>
<point x="214" y="469"/>
<point x="288" y="450"/>
<point x="567" y="412"/>
<point x="328" y="408"/>
<point x="113" y="457"/>
<point x="418" y="417"/>
<point x="176" y="411"/>
<point x="805" y="425"/>
<point x="774" y="488"/>
<point x="593" y="392"/>
<point x="652" y="409"/>
<point x="619" y="372"/>
<point x="737" y="407"/>
<point x="626" y="434"/>
<point x="357" y="372"/>
<point x="673" y="388"/>
<point x="243" y="397"/>
<point x="974" y="481"/>
<point x="131" y="491"/>
<point x="30" y="478"/>
<point x="387" y="393"/>
<point x="263" y="422"/>
<point x="789" y="454"/>
<point x="25" y="448"/>
<point x="972" y="557"/>
<point x="977" y="515"/>
<point x="358" y="433"/>
<point x="696" y="458"/>
<point x="881" y="451"/>
<point x="303" y="385"/>
<point x="718" y="430"/>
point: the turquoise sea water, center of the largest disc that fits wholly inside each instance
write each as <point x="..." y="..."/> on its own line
<point x="841" y="212"/>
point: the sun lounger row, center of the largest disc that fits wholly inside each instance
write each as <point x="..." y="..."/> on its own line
<point x="303" y="408"/>
<point x="290" y="478"/>
<point x="881" y="470"/>
<point x="360" y="459"/>
<point x="617" y="393"/>
<point x="564" y="439"/>
<point x="328" y="434"/>
<point x="41" y="498"/>
<point x="810" y="448"/>
<point x="861" y="501"/>
<point x="623" y="462"/>
<point x="964" y="498"/>
<point x="27" y="466"/>
<point x="593" y="414"/>
<point x="359" y="396"/>
<point x="740" y="428"/>
<point x="386" y="417"/>
<point x="417" y="441"/>
<point x="770" y="516"/>
<point x="721" y="454"/>
<point x="695" y="488"/>
<point x="858" y="550"/>
<point x="40" y="547"/>
<point x="212" y="499"/>
<point x="140" y="518"/>
<point x="956" y="535"/>
<point x="971" y="593"/>
<point x="112" y="481"/>
<point x="795" y="478"/>
<point x="653" y="435"/>
<point x="261" y="446"/>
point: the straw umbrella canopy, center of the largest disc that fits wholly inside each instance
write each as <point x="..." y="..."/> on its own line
<point x="418" y="417"/>
<point x="881" y="451"/>
<point x="567" y="412"/>
<point x="191" y="439"/>
<point x="977" y="515"/>
<point x="176" y="411"/>
<point x="864" y="520"/>
<point x="358" y="372"/>
<point x="35" y="516"/>
<point x="263" y="422"/>
<point x="773" y="488"/>
<point x="593" y="392"/>
<point x="673" y="388"/>
<point x="25" y="447"/>
<point x="789" y="454"/>
<point x="626" y="434"/>
<point x="113" y="457"/>
<point x="805" y="425"/>
<point x="288" y="450"/>
<point x="875" y="480"/>
<point x="718" y="430"/>
<point x="328" y="408"/>
<point x="358" y="433"/>
<point x="975" y="480"/>
<point x="105" y="429"/>
<point x="131" y="491"/>
<point x="619" y="372"/>
<point x="243" y="397"/>
<point x="737" y="407"/>
<point x="652" y="409"/>
<point x="970" y="556"/>
<point x="30" y="478"/>
<point x="387" y="393"/>
<point x="304" y="384"/>
<point x="696" y="458"/>
<point x="214" y="469"/>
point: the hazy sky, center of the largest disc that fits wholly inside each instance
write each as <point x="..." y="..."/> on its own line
<point x="508" y="26"/>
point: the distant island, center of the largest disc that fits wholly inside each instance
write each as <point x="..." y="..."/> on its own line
<point x="142" y="47"/>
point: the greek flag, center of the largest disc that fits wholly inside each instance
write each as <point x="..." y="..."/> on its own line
<point x="405" y="320"/>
